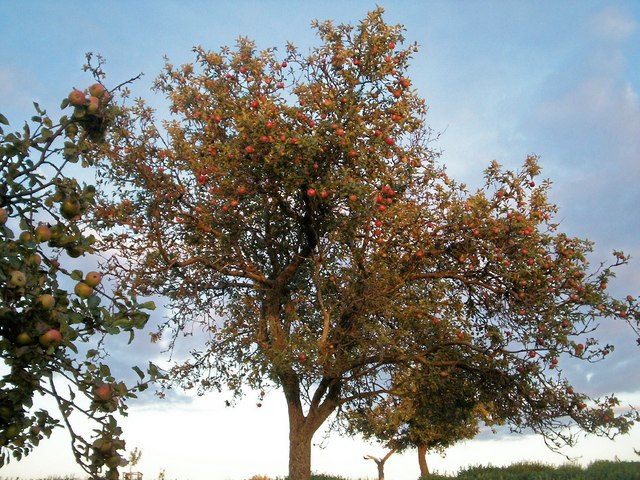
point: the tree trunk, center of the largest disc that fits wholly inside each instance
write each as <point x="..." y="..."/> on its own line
<point x="301" y="430"/>
<point x="422" y="460"/>
<point x="299" y="451"/>
<point x="380" y="470"/>
<point x="380" y="462"/>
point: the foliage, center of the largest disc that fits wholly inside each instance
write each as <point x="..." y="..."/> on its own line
<point x="601" y="470"/>
<point x="431" y="410"/>
<point x="52" y="339"/>
<point x="295" y="217"/>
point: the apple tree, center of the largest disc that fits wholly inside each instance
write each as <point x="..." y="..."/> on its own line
<point x="291" y="211"/>
<point x="55" y="316"/>
<point x="430" y="409"/>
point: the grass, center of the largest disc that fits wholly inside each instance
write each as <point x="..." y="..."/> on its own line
<point x="600" y="470"/>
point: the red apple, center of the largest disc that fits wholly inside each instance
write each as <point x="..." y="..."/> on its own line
<point x="97" y="90"/>
<point x="311" y="192"/>
<point x="103" y="392"/>
<point x="50" y="338"/>
<point x="93" y="105"/>
<point x="77" y="98"/>
<point x="43" y="233"/>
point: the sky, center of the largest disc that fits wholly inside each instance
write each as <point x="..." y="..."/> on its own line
<point x="502" y="79"/>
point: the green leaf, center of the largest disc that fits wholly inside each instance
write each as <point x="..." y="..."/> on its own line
<point x="3" y="120"/>
<point x="76" y="275"/>
<point x="139" y="372"/>
<point x="148" y="305"/>
<point x="93" y="301"/>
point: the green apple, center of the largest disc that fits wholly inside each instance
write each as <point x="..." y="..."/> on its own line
<point x="46" y="301"/>
<point x="17" y="279"/>
<point x="24" y="338"/>
<point x="93" y="279"/>
<point x="83" y="290"/>
<point x="25" y="237"/>
<point x="70" y="209"/>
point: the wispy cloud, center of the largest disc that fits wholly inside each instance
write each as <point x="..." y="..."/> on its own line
<point x="613" y="23"/>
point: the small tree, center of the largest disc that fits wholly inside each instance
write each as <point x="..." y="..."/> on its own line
<point x="51" y="339"/>
<point x="134" y="458"/>
<point x="430" y="409"/>
<point x="293" y="215"/>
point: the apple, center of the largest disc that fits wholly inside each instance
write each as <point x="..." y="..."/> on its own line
<point x="50" y="338"/>
<point x="97" y="90"/>
<point x="17" y="279"/>
<point x="249" y="149"/>
<point x="33" y="259"/>
<point x="4" y="216"/>
<point x="311" y="192"/>
<point x="93" y="279"/>
<point x="25" y="237"/>
<point x="11" y="431"/>
<point x="70" y="209"/>
<point x="46" y="301"/>
<point x="302" y="357"/>
<point x="43" y="233"/>
<point x="77" y="98"/>
<point x="94" y="104"/>
<point x="103" y="392"/>
<point x="23" y="338"/>
<point x="113" y="461"/>
<point x="83" y="290"/>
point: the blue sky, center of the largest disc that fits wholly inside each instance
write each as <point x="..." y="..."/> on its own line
<point x="503" y="79"/>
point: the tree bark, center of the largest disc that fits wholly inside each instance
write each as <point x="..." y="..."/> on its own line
<point x="302" y="429"/>
<point x="299" y="451"/>
<point x="422" y="460"/>
<point x="380" y="462"/>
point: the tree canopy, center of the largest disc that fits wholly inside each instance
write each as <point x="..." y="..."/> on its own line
<point x="292" y="212"/>
<point x="53" y="317"/>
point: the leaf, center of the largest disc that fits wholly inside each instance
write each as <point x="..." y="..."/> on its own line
<point x="76" y="275"/>
<point x="139" y="372"/>
<point x="93" y="301"/>
<point x="3" y="120"/>
<point x="148" y="305"/>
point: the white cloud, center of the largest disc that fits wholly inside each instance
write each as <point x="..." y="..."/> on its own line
<point x="613" y="24"/>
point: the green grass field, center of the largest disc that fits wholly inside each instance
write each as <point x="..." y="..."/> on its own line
<point x="601" y="470"/>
